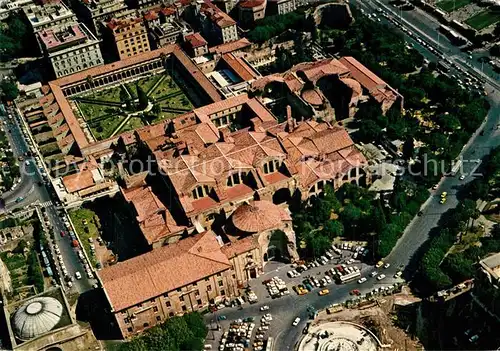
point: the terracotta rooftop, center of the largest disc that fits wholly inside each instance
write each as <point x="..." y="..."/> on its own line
<point x="240" y="67"/>
<point x="216" y="15"/>
<point x="312" y="96"/>
<point x="152" y="274"/>
<point x="259" y="216"/>
<point x="196" y="40"/>
<point x="247" y="4"/>
<point x="231" y="46"/>
<point x="83" y="179"/>
<point x="155" y="220"/>
<point x="238" y="246"/>
<point x="123" y="23"/>
<point x="379" y="89"/>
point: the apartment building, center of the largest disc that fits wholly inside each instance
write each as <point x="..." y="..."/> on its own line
<point x="280" y="7"/>
<point x="216" y="24"/>
<point x="129" y="36"/>
<point x="96" y="12"/>
<point x="70" y="48"/>
<point x="250" y="11"/>
<point x="49" y="15"/>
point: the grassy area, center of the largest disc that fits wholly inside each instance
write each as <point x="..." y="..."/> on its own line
<point x="483" y="19"/>
<point x="165" y="115"/>
<point x="49" y="149"/>
<point x="106" y="126"/>
<point x="452" y="5"/>
<point x="87" y="226"/>
<point x="178" y="102"/>
<point x="17" y="266"/>
<point x="133" y="123"/>
<point x="145" y="83"/>
<point x="91" y="111"/>
<point x="112" y="94"/>
<point x="166" y="87"/>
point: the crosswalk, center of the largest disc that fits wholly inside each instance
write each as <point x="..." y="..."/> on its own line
<point x="47" y="204"/>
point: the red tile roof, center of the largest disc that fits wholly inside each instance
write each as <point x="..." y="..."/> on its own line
<point x="216" y="15"/>
<point x="247" y="4"/>
<point x="123" y="23"/>
<point x="162" y="270"/>
<point x="231" y="46"/>
<point x="259" y="216"/>
<point x="196" y="40"/>
<point x="155" y="220"/>
<point x="239" y="66"/>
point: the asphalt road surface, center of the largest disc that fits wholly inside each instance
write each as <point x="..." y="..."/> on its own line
<point x="33" y="190"/>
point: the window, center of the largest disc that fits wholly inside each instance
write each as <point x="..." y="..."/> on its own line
<point x="181" y="298"/>
<point x="197" y="293"/>
<point x="129" y="329"/>
<point x="139" y="305"/>
<point x="165" y="295"/>
<point x="169" y="304"/>
<point x="222" y="292"/>
<point x="158" y="318"/>
<point x="145" y="325"/>
<point x="234" y="276"/>
<point x="198" y="301"/>
<point x="171" y="314"/>
<point x="155" y="309"/>
<point x="221" y="283"/>
<point x="209" y="287"/>
<point x="206" y="279"/>
<point x="179" y="290"/>
<point x="219" y="274"/>
<point x="184" y="308"/>
<point x="126" y="320"/>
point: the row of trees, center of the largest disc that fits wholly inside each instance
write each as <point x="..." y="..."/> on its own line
<point x="9" y="90"/>
<point x="438" y="269"/>
<point x="272" y="26"/>
<point x="354" y="213"/>
<point x="178" y="333"/>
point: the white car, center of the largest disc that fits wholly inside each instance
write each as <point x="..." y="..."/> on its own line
<point x="380" y="277"/>
<point x="462" y="177"/>
<point x="268" y="317"/>
<point x="264" y="308"/>
<point x="296" y="321"/>
<point x="78" y="275"/>
<point x="387" y="265"/>
<point x="398" y="274"/>
<point x="374" y="273"/>
<point x="361" y="280"/>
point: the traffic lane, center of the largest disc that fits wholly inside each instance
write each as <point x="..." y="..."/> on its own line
<point x="68" y="252"/>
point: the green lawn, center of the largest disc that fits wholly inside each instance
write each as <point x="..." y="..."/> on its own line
<point x="111" y="94"/>
<point x="133" y="123"/>
<point x="452" y="5"/>
<point x="105" y="127"/>
<point x="166" y="87"/>
<point x="17" y="266"/>
<point x="91" y="111"/>
<point x="145" y="83"/>
<point x="483" y="19"/>
<point x="86" y="224"/>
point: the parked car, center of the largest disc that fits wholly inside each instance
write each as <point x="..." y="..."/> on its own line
<point x="362" y="280"/>
<point x="323" y="292"/>
<point x="296" y="321"/>
<point x="380" y="277"/>
<point x="78" y="275"/>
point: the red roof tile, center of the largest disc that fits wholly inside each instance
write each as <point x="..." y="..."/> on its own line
<point x="152" y="274"/>
<point x="196" y="40"/>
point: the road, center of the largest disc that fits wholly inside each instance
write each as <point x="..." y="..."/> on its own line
<point x="34" y="191"/>
<point x="286" y="309"/>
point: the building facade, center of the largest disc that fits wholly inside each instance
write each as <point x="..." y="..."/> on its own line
<point x="216" y="24"/>
<point x="250" y="11"/>
<point x="281" y="7"/>
<point x="96" y="12"/>
<point x="70" y="48"/>
<point x="129" y="35"/>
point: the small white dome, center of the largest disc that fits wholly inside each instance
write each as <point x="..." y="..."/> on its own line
<point x="36" y="317"/>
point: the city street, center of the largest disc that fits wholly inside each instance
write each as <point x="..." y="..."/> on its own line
<point x="33" y="193"/>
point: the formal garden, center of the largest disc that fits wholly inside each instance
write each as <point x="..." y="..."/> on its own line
<point x="132" y="105"/>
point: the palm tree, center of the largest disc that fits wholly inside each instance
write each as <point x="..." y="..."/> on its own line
<point x="90" y="81"/>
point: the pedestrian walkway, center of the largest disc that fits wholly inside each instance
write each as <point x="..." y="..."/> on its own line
<point x="46" y="204"/>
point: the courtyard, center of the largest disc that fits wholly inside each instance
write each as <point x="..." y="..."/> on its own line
<point x="131" y="105"/>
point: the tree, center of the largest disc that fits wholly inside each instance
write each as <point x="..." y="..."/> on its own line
<point x="409" y="148"/>
<point x="156" y="109"/>
<point x="143" y="98"/>
<point x="9" y="89"/>
<point x="90" y="81"/>
<point x="478" y="189"/>
<point x="369" y="130"/>
<point x="125" y="98"/>
<point x="333" y="229"/>
<point x="318" y="244"/>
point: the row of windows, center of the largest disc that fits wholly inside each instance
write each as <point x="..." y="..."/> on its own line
<point x="271" y="166"/>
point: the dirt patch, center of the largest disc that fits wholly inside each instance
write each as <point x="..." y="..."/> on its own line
<point x="380" y="319"/>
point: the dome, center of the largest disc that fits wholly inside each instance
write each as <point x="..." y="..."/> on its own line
<point x="36" y="317"/>
<point x="258" y="216"/>
<point x="354" y="85"/>
<point x="312" y="96"/>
